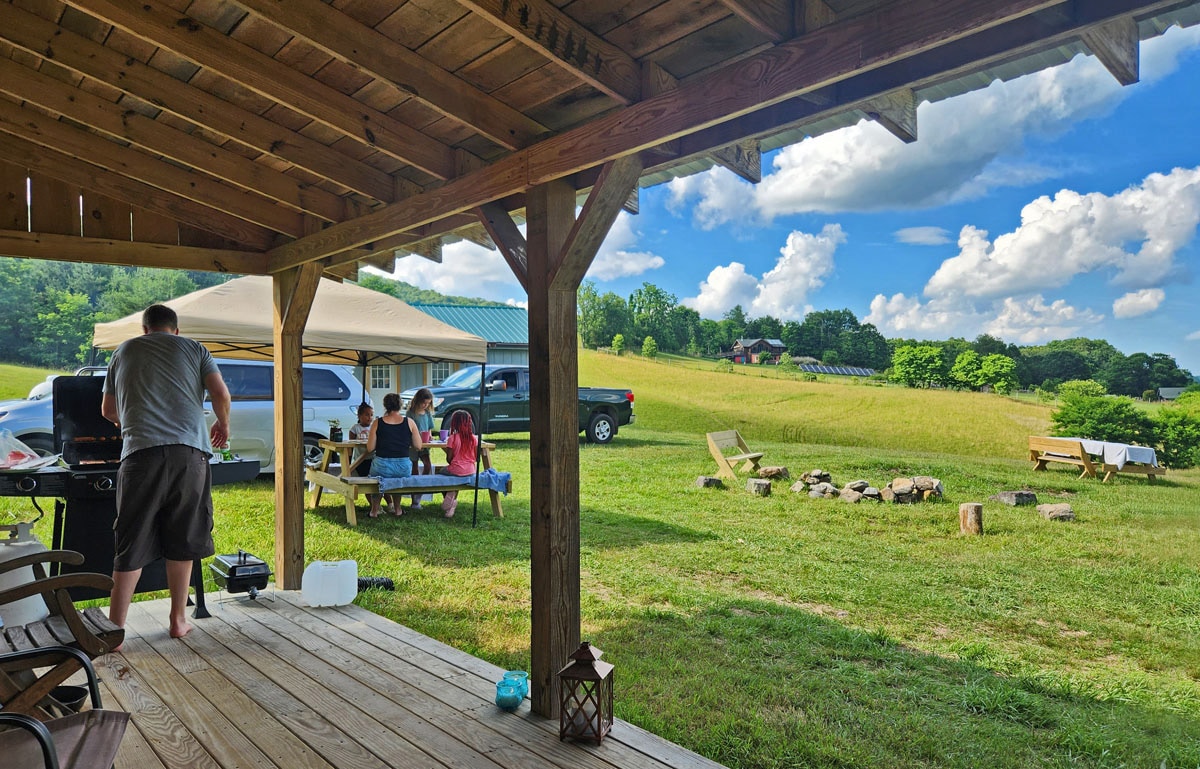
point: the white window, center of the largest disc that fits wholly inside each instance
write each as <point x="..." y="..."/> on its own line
<point x="381" y="377"/>
<point x="439" y="371"/>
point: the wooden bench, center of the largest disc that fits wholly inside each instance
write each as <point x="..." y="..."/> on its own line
<point x="1150" y="471"/>
<point x="720" y="442"/>
<point x="351" y="486"/>
<point x="1043" y="450"/>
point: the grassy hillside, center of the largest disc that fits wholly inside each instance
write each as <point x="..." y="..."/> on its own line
<point x="16" y="381"/>
<point x="783" y="632"/>
<point x="835" y="412"/>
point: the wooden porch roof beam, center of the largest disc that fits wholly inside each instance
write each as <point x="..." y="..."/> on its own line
<point x="273" y="79"/>
<point x="126" y="253"/>
<point x="812" y="61"/>
<point x="47" y="40"/>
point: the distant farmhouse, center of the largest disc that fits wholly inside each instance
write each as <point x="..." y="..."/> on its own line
<point x="1170" y="393"/>
<point x="756" y="351"/>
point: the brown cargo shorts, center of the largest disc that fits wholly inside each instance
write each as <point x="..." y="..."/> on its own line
<point x="164" y="507"/>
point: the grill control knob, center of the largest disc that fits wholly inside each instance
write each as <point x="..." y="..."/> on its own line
<point x="104" y="483"/>
<point x="26" y="484"/>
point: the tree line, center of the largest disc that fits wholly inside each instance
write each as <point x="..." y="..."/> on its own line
<point x="48" y="310"/>
<point x="837" y="338"/>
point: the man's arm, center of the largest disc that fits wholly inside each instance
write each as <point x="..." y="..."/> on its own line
<point x="218" y="395"/>
<point x="108" y="408"/>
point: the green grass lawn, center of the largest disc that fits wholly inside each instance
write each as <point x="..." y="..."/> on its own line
<point x="16" y="381"/>
<point x="791" y="632"/>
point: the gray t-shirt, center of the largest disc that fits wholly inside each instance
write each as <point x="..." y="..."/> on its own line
<point x="158" y="381"/>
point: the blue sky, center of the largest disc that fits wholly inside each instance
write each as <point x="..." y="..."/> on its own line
<point x="1056" y="205"/>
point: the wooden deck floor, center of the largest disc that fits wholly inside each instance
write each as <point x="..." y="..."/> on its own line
<point x="277" y="684"/>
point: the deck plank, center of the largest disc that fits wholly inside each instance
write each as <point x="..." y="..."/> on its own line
<point x="281" y="685"/>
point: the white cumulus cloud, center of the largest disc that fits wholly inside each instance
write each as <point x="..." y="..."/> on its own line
<point x="1027" y="320"/>
<point x="1074" y="233"/>
<point x="617" y="257"/>
<point x="805" y="261"/>
<point x="466" y="269"/>
<point x="1031" y="320"/>
<point x="1137" y="303"/>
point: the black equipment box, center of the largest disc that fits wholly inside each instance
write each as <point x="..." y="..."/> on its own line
<point x="240" y="572"/>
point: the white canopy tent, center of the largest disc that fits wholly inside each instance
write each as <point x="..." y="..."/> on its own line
<point x="347" y="324"/>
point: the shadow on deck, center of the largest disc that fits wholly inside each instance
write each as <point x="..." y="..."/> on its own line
<point x="279" y="684"/>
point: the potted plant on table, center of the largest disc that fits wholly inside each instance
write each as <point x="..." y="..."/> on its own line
<point x="335" y="430"/>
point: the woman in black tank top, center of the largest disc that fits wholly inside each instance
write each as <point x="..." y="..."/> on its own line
<point x="392" y="437"/>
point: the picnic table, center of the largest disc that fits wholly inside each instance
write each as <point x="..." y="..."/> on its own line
<point x="349" y="484"/>
<point x="1123" y="458"/>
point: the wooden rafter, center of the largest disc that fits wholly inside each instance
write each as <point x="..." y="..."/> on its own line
<point x="124" y="125"/>
<point x="504" y="233"/>
<point x="339" y="35"/>
<point x="40" y="129"/>
<point x="273" y="79"/>
<point x="1116" y="46"/>
<point x="775" y="19"/>
<point x="45" y="39"/>
<point x="84" y="175"/>
<point x="603" y="205"/>
<point x="543" y="27"/>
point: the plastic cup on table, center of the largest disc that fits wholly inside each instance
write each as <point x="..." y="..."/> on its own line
<point x="443" y="435"/>
<point x="426" y="436"/>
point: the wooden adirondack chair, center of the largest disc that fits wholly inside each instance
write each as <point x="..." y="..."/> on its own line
<point x="720" y="442"/>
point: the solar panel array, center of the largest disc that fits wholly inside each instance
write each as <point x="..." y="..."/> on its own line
<point x="813" y="368"/>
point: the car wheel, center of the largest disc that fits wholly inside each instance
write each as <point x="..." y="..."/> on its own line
<point x="601" y="428"/>
<point x="312" y="451"/>
<point x="42" y="444"/>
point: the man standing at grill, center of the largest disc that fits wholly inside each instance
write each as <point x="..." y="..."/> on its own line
<point x="154" y="392"/>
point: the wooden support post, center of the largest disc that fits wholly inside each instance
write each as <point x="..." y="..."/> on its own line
<point x="558" y="251"/>
<point x="294" y="291"/>
<point x="553" y="445"/>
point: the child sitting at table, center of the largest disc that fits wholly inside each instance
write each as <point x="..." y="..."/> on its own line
<point x="420" y="410"/>
<point x="359" y="431"/>
<point x="461" y="448"/>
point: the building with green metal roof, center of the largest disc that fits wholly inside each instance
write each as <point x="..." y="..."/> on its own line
<point x="505" y="328"/>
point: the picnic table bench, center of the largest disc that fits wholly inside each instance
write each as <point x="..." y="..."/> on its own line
<point x="351" y="486"/>
<point x="1113" y="457"/>
<point x="1066" y="450"/>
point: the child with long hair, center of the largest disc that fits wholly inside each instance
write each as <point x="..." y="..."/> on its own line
<point x="420" y="410"/>
<point x="461" y="448"/>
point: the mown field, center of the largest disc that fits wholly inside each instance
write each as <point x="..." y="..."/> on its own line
<point x="790" y="632"/>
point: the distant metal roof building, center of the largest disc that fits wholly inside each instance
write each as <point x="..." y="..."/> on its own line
<point x="498" y="325"/>
<point x="505" y="328"/>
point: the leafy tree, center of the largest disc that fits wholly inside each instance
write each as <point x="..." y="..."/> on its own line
<point x="406" y="292"/>
<point x="831" y="358"/>
<point x="787" y="365"/>
<point x="650" y="308"/>
<point x="649" y="347"/>
<point x="1127" y="375"/>
<point x="1179" y="438"/>
<point x="1103" y="419"/>
<point x="1081" y="388"/>
<point x="65" y="331"/>
<point x="601" y="317"/>
<point x="965" y="373"/>
<point x="618" y="343"/>
<point x="821" y="331"/>
<point x="999" y="372"/>
<point x="918" y="366"/>
<point x="765" y="327"/>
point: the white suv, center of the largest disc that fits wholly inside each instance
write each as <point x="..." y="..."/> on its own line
<point x="330" y="392"/>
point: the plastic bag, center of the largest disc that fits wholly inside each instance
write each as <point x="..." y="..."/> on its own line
<point x="14" y="453"/>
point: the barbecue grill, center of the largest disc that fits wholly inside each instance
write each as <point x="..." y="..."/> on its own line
<point x="240" y="572"/>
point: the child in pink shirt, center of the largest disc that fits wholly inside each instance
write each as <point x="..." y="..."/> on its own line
<point x="461" y="447"/>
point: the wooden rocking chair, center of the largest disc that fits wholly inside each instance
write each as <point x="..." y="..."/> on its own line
<point x="86" y="740"/>
<point x="89" y="632"/>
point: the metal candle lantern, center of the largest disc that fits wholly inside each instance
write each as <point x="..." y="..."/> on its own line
<point x="585" y="696"/>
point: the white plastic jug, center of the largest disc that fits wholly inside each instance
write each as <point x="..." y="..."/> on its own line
<point x="329" y="583"/>
<point x="20" y="541"/>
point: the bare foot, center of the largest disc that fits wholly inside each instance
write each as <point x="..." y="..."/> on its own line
<point x="179" y="630"/>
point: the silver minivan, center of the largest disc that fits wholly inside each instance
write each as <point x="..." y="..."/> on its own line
<point x="330" y="392"/>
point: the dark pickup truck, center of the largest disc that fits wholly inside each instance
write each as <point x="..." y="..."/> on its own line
<point x="506" y="402"/>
